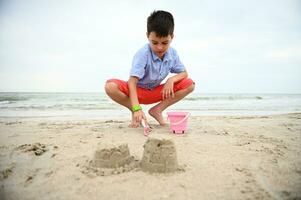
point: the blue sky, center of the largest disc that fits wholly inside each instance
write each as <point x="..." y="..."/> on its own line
<point x="234" y="46"/>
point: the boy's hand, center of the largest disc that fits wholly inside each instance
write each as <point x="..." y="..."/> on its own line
<point x="167" y="91"/>
<point x="137" y="117"/>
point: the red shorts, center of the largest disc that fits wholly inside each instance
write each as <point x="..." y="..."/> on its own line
<point x="146" y="96"/>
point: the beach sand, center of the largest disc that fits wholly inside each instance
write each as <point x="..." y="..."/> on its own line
<point x="224" y="157"/>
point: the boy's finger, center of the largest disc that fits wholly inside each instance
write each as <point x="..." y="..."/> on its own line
<point x="134" y="124"/>
<point x="138" y="119"/>
<point x="164" y="94"/>
<point x="169" y="93"/>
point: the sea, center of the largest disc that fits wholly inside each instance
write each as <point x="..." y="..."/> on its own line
<point x="26" y="105"/>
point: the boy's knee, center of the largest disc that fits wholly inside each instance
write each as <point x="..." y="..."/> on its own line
<point x="110" y="87"/>
<point x="191" y="87"/>
<point x="189" y="82"/>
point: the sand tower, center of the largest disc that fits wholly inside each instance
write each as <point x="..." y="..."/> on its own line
<point x="159" y="156"/>
<point x="112" y="156"/>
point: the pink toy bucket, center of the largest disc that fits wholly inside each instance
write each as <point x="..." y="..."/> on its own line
<point x="178" y="121"/>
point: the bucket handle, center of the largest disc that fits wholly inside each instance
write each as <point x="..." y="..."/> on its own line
<point x="182" y="120"/>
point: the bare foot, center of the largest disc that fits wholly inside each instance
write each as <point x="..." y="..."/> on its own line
<point x="157" y="114"/>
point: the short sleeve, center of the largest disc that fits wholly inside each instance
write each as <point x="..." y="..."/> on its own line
<point x="138" y="65"/>
<point x="177" y="66"/>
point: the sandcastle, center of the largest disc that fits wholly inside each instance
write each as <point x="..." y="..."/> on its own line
<point x="110" y="159"/>
<point x="112" y="156"/>
<point x="159" y="156"/>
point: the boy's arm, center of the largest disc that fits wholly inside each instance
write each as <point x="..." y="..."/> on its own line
<point x="137" y="115"/>
<point x="133" y="90"/>
<point x="178" y="77"/>
<point x="167" y="90"/>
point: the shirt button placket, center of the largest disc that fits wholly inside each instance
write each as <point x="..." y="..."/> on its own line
<point x="161" y="69"/>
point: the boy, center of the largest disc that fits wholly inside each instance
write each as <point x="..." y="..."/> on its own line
<point x="150" y="66"/>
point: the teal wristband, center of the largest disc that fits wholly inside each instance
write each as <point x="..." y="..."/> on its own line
<point x="136" y="108"/>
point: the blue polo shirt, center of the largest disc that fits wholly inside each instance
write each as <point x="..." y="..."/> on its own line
<point x="151" y="70"/>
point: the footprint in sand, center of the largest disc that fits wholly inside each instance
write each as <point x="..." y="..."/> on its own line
<point x="6" y="171"/>
<point x="37" y="148"/>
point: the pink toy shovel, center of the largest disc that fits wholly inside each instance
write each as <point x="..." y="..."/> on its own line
<point x="146" y="128"/>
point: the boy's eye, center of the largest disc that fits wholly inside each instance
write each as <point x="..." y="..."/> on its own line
<point x="164" y="43"/>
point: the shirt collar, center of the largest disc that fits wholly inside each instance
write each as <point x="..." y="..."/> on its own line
<point x="166" y="57"/>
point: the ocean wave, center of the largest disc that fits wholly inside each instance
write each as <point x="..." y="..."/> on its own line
<point x="4" y="102"/>
<point x="61" y="107"/>
<point x="50" y="97"/>
<point x="12" y="98"/>
<point x="231" y="98"/>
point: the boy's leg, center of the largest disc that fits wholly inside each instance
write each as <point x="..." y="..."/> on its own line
<point x="113" y="91"/>
<point x="118" y="91"/>
<point x="156" y="111"/>
<point x="116" y="95"/>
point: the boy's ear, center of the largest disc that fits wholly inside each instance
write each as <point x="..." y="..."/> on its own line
<point x="147" y="34"/>
<point x="171" y="36"/>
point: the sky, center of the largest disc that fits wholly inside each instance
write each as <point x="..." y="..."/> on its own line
<point x="234" y="46"/>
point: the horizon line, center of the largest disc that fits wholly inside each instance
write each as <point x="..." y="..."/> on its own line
<point x="90" y="92"/>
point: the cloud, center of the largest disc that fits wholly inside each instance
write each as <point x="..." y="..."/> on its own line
<point x="87" y="43"/>
<point x="289" y="54"/>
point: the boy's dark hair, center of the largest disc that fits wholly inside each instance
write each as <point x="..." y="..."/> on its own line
<point x="161" y="22"/>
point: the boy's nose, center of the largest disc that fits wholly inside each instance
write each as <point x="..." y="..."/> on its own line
<point x="160" y="47"/>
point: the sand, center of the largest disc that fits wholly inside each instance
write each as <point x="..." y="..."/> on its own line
<point x="221" y="157"/>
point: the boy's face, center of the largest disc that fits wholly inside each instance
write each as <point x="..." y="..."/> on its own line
<point x="159" y="45"/>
